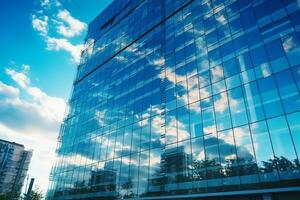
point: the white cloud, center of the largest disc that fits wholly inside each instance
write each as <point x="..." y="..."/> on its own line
<point x="26" y="68"/>
<point x="63" y="44"/>
<point x="69" y="26"/>
<point x="288" y="44"/>
<point x="31" y="117"/>
<point x="19" y="77"/>
<point x="8" y="90"/>
<point x="100" y="114"/>
<point x="40" y="24"/>
<point x="48" y="106"/>
<point x="47" y="4"/>
<point x="210" y="129"/>
<point x="221" y="104"/>
<point x="217" y="72"/>
<point x="62" y="23"/>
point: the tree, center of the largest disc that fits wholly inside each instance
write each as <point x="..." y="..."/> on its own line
<point x="9" y="196"/>
<point x="36" y="194"/>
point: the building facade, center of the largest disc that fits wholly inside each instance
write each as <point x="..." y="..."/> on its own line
<point x="185" y="99"/>
<point x="14" y="163"/>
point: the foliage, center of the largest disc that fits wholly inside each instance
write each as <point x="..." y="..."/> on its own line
<point x="9" y="196"/>
<point x="36" y="194"/>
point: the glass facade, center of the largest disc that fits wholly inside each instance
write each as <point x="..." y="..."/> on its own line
<point x="184" y="98"/>
<point x="14" y="163"/>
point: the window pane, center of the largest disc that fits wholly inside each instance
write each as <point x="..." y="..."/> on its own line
<point x="293" y="121"/>
<point x="253" y="102"/>
<point x="237" y="107"/>
<point x="199" y="167"/>
<point x="195" y="119"/>
<point x="228" y="157"/>
<point x="288" y="91"/>
<point x="183" y="122"/>
<point x="245" y="153"/>
<point x="222" y="111"/>
<point x="212" y="159"/>
<point x="263" y="151"/>
<point x="283" y="146"/>
<point x="275" y="49"/>
<point x="270" y="97"/>
<point x="258" y="55"/>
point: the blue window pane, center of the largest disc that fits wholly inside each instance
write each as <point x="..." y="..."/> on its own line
<point x="216" y="73"/>
<point x="205" y="92"/>
<point x="183" y="121"/>
<point x="296" y="73"/>
<point x="226" y="49"/>
<point x="237" y="107"/>
<point x="184" y="158"/>
<point x="244" y="62"/>
<point x="221" y="106"/>
<point x="247" y="76"/>
<point x="253" y="37"/>
<point x="154" y="166"/>
<point x="258" y="55"/>
<point x="212" y="158"/>
<point x="275" y="49"/>
<point x="179" y="56"/>
<point x="214" y="56"/>
<point x="208" y="119"/>
<point x="171" y="132"/>
<point x="263" y="70"/>
<point x="248" y="19"/>
<point x="204" y="79"/>
<point x="209" y="23"/>
<point x="279" y="64"/>
<point x="232" y="9"/>
<point x="170" y="44"/>
<point x="253" y="102"/>
<point x="240" y="43"/>
<point x="145" y="134"/>
<point x="261" y="10"/>
<point x="170" y="94"/>
<point x="274" y="5"/>
<point x="235" y="25"/>
<point x="243" y="4"/>
<point x="245" y="153"/>
<point x="283" y="146"/>
<point x="199" y="167"/>
<point x="293" y="121"/>
<point x="230" y="67"/>
<point x="224" y="30"/>
<point x="295" y="18"/>
<point x="228" y="157"/>
<point x="193" y="87"/>
<point x="291" y="45"/>
<point x="195" y="119"/>
<point x="270" y="97"/>
<point x="206" y="103"/>
<point x="263" y="151"/>
<point x="288" y="91"/>
<point x="190" y="50"/>
<point x="233" y="81"/>
<point x="211" y="38"/>
<point x="218" y="87"/>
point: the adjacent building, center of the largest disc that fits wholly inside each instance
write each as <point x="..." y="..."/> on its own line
<point x="185" y="99"/>
<point x="14" y="163"/>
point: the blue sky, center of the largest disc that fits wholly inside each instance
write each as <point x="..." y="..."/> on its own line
<point x="40" y="48"/>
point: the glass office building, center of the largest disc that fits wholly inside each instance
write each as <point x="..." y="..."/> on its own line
<point x="14" y="164"/>
<point x="185" y="99"/>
